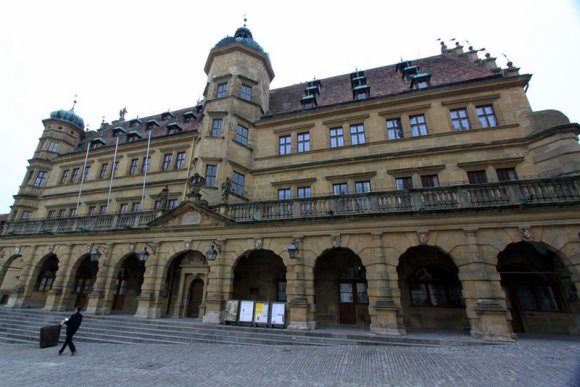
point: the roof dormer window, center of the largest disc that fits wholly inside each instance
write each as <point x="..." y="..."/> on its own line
<point x="421" y="81"/>
<point x="308" y="101"/>
<point x="134" y="122"/>
<point x="409" y="71"/>
<point x="117" y="130"/>
<point x="152" y="124"/>
<point x="97" y="143"/>
<point x="401" y="65"/>
<point x="173" y="128"/>
<point x="312" y="90"/>
<point x="188" y="116"/>
<point x="166" y="115"/>
<point x="360" y="89"/>
<point x="133" y="136"/>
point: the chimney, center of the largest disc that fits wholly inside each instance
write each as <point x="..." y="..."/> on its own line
<point x="458" y="49"/>
<point x="511" y="71"/>
<point x="489" y="63"/>
<point x="472" y="55"/>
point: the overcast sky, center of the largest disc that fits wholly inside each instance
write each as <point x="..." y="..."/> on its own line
<point x="148" y="56"/>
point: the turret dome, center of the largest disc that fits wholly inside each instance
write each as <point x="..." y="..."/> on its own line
<point x="242" y="36"/>
<point x="68" y="116"/>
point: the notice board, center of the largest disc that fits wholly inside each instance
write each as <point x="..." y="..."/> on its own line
<point x="278" y="315"/>
<point x="261" y="312"/>
<point x="246" y="311"/>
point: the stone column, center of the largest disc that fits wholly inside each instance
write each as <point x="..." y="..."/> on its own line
<point x="484" y="298"/>
<point x="385" y="304"/>
<point x="216" y="293"/>
<point x="56" y="295"/>
<point x="148" y="300"/>
<point x="298" y="305"/>
<point x="97" y="300"/>
<point x="25" y="286"/>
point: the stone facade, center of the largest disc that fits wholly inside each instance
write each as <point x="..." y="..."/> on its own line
<point x="421" y="195"/>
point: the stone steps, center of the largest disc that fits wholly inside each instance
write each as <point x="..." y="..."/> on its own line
<point x="23" y="326"/>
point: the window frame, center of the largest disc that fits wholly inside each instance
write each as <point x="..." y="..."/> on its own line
<point x="241" y="135"/>
<point x="167" y="158"/>
<point x="211" y="179"/>
<point x="285" y="145"/>
<point x="41" y="177"/>
<point x="461" y="120"/>
<point x="357" y="134"/>
<point x="217" y="126"/>
<point x="180" y="160"/>
<point x="246" y="92"/>
<point x="483" y="115"/>
<point x="394" y="128"/>
<point x="336" y="138"/>
<point x="303" y="142"/>
<point x="418" y="125"/>
<point x="238" y="181"/>
<point x="221" y="90"/>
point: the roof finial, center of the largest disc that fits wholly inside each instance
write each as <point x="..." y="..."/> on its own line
<point x="74" y="103"/>
<point x="245" y="20"/>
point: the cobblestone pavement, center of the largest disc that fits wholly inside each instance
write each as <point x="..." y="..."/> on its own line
<point x="548" y="361"/>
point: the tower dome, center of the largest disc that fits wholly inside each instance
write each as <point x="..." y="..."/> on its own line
<point x="243" y="36"/>
<point x="68" y="116"/>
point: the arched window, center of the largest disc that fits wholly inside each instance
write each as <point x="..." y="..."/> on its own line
<point x="45" y="280"/>
<point x="435" y="286"/>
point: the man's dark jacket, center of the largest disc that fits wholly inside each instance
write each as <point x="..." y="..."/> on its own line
<point x="73" y="323"/>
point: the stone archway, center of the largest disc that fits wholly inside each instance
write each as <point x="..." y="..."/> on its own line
<point x="538" y="288"/>
<point x="340" y="289"/>
<point x="259" y="275"/>
<point x="126" y="286"/>
<point x="44" y="274"/>
<point x="85" y="277"/>
<point x="431" y="293"/>
<point x="9" y="273"/>
<point x="181" y="274"/>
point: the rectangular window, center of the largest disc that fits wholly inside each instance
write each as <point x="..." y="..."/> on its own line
<point x="303" y="142"/>
<point x="134" y="166"/>
<point x="242" y="134"/>
<point x="506" y="174"/>
<point x="246" y="92"/>
<point x="486" y="116"/>
<point x="166" y="162"/>
<point x="418" y="125"/>
<point x="53" y="147"/>
<point x="222" y="89"/>
<point x="86" y="172"/>
<point x="303" y="192"/>
<point x="362" y="186"/>
<point x="336" y="138"/>
<point x="180" y="160"/>
<point x="75" y="175"/>
<point x="284" y="194"/>
<point x="124" y="208"/>
<point x="403" y="183"/>
<point x="40" y="178"/>
<point x="340" y="189"/>
<point x="146" y="164"/>
<point x="103" y="172"/>
<point x="73" y="212"/>
<point x="115" y="167"/>
<point x="62" y="213"/>
<point x="285" y="145"/>
<point x="51" y="214"/>
<point x="171" y="203"/>
<point x="216" y="127"/>
<point x="136" y="207"/>
<point x="459" y="119"/>
<point x="238" y="183"/>
<point x="103" y="210"/>
<point x="429" y="181"/>
<point x="477" y="177"/>
<point x="92" y="211"/>
<point x="64" y="176"/>
<point x="211" y="175"/>
<point x="26" y="215"/>
<point x="157" y="204"/>
<point x="394" y="129"/>
<point x="357" y="134"/>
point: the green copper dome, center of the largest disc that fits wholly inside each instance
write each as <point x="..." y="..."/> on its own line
<point x="68" y="116"/>
<point x="242" y="36"/>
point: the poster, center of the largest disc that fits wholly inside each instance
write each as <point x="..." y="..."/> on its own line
<point x="246" y="311"/>
<point x="278" y="313"/>
<point x="261" y="313"/>
<point x="231" y="313"/>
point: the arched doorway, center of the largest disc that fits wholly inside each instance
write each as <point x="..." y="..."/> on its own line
<point x="538" y="288"/>
<point x="84" y="280"/>
<point x="9" y="274"/>
<point x="195" y="298"/>
<point x="128" y="281"/>
<point x="260" y="275"/>
<point x="46" y="273"/>
<point x="431" y="293"/>
<point x="341" y="289"/>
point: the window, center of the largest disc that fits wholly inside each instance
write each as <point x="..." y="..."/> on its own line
<point x="45" y="281"/>
<point x="180" y="161"/>
<point x="157" y="205"/>
<point x="172" y="130"/>
<point x="124" y="208"/>
<point x="336" y="138"/>
<point x="303" y="142"/>
<point x="506" y="174"/>
<point x="51" y="214"/>
<point x="40" y="178"/>
<point x="136" y="207"/>
<point x="418" y="125"/>
<point x="242" y="134"/>
<point x="211" y="175"/>
<point x="394" y="129"/>
<point x="146" y="164"/>
<point x="216" y="127"/>
<point x="238" y="183"/>
<point x="429" y="181"/>
<point x="303" y="192"/>
<point x="357" y="134"/>
<point x="435" y="286"/>
<point x="103" y="210"/>
<point x="92" y="211"/>
<point x="62" y="213"/>
<point x="86" y="172"/>
<point x="75" y="175"/>
<point x="246" y="92"/>
<point x="64" y="176"/>
<point x="284" y="194"/>
<point x="73" y="212"/>
<point x="166" y="162"/>
<point x="340" y="189"/>
<point x="103" y="172"/>
<point x="459" y="119"/>
<point x="403" y="183"/>
<point x="486" y="116"/>
<point x="134" y="166"/>
<point x="362" y="186"/>
<point x="477" y="177"/>
<point x="171" y="203"/>
<point x="115" y="167"/>
<point x="26" y="215"/>
<point x="222" y="89"/>
<point x="285" y="144"/>
<point x="53" y="147"/>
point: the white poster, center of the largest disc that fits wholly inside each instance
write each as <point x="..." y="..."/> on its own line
<point x="246" y="311"/>
<point x="261" y="313"/>
<point x="278" y="312"/>
<point x="231" y="313"/>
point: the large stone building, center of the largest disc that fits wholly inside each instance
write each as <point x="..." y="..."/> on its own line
<point x="420" y="195"/>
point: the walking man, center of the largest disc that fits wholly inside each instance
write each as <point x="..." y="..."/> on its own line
<point x="72" y="325"/>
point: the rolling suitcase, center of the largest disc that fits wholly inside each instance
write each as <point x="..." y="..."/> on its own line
<point x="49" y="335"/>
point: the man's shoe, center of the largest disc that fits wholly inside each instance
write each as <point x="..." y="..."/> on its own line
<point x="74" y="353"/>
<point x="60" y="352"/>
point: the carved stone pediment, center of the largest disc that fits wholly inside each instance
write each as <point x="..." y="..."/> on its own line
<point x="189" y="214"/>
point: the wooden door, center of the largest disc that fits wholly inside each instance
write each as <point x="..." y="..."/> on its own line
<point x="195" y="298"/>
<point x="514" y="307"/>
<point x="83" y="288"/>
<point x="347" y="306"/>
<point x="120" y="290"/>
